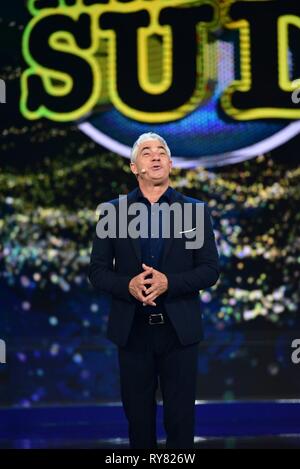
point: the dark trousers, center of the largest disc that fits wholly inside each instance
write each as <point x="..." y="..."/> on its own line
<point x="154" y="354"/>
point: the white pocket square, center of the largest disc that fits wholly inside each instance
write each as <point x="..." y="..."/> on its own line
<point x="187" y="231"/>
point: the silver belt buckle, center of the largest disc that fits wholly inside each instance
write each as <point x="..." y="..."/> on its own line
<point x="153" y="319"/>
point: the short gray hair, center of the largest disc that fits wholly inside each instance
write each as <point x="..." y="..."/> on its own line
<point x="142" y="138"/>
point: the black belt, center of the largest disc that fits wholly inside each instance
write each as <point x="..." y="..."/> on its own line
<point x="151" y="318"/>
<point x="157" y="318"/>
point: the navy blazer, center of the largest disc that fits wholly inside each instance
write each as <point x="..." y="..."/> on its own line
<point x="115" y="261"/>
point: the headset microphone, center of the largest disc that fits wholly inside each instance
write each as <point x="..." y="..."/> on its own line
<point x="141" y="172"/>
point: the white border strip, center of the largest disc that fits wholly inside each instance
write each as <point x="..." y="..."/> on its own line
<point x="237" y="156"/>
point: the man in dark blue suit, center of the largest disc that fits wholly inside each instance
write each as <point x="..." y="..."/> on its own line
<point x="154" y="281"/>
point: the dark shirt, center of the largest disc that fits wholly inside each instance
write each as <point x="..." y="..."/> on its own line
<point x="152" y="247"/>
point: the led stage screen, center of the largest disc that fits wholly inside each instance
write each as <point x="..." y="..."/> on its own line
<point x="80" y="81"/>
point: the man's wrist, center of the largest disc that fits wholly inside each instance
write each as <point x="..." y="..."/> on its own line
<point x="167" y="282"/>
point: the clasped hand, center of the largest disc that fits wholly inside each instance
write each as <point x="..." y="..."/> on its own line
<point x="148" y="285"/>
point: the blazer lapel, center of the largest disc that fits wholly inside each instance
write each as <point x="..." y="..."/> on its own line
<point x="167" y="245"/>
<point x="131" y="197"/>
<point x="136" y="243"/>
<point x="176" y="197"/>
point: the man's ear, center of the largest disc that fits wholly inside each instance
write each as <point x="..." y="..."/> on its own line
<point x="133" y="168"/>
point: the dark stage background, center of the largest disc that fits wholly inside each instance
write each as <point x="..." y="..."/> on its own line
<point x="52" y="178"/>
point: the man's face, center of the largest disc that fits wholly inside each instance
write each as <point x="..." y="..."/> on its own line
<point x="154" y="159"/>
